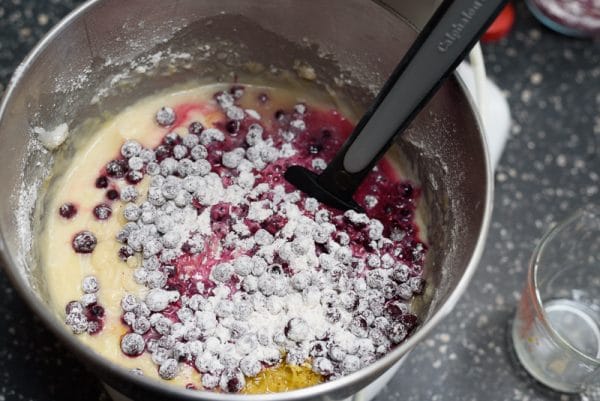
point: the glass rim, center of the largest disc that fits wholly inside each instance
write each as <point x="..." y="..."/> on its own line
<point x="533" y="269"/>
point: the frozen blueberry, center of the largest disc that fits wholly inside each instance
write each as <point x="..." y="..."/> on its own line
<point x="84" y="242"/>
<point x="90" y="285"/>
<point x="116" y="168"/>
<point x="74" y="307"/>
<point x="170" y="239"/>
<point x="102" y="211"/>
<point x="152" y="247"/>
<point x="350" y="364"/>
<point x="375" y="278"/>
<point x="132" y="212"/>
<point x="297" y="329"/>
<point x="129" y="302"/>
<point x="141" y="325"/>
<point x="88" y="299"/>
<point x="300" y="280"/>
<point x="404" y="291"/>
<point x="153" y="169"/>
<point x="129" y="194"/>
<point x="250" y="366"/>
<point x="318" y="349"/>
<point x="400" y="273"/>
<point x="132" y="344"/>
<point x="156" y="279"/>
<point x="168" y="166"/>
<point x="157" y="299"/>
<point x="210" y="381"/>
<point x="133" y="176"/>
<point x="168" y="369"/>
<point x="67" y="210"/>
<point x="185" y="168"/>
<point x="333" y="315"/>
<point x="232" y="381"/>
<point x="243" y="266"/>
<point x="266" y="284"/>
<point x="222" y="272"/>
<point x="199" y="152"/>
<point x="147" y="155"/>
<point x="232" y="159"/>
<point x="359" y="327"/>
<point x="130" y="148"/>
<point x="349" y="300"/>
<point x="77" y="322"/>
<point x="165" y="116"/>
<point x="250" y="284"/>
<point x="254" y="135"/>
<point x="417" y="285"/>
<point x="323" y="366"/>
<point x="179" y="152"/>
<point x="296" y="356"/>
<point x="201" y="168"/>
<point x="136" y="163"/>
<point x="195" y="128"/>
<point x="396" y="333"/>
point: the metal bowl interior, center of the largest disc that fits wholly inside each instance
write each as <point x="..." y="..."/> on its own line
<point x="109" y="53"/>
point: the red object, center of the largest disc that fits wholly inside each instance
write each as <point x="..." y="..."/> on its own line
<point x="501" y="25"/>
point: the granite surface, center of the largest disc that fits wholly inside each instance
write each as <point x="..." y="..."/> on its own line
<point x="551" y="166"/>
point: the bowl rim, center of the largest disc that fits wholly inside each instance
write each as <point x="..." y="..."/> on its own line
<point x="109" y="369"/>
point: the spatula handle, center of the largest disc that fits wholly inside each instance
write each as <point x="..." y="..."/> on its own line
<point x="448" y="36"/>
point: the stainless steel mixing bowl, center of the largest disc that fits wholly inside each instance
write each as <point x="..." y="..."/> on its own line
<point x="108" y="53"/>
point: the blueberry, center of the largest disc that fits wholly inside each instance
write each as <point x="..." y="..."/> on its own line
<point x="210" y="381"/>
<point x="102" y="211"/>
<point x="222" y="272"/>
<point x="233" y="127"/>
<point x="296" y="356"/>
<point x="250" y="366"/>
<point x="112" y="194"/>
<point x="165" y="116"/>
<point x="132" y="344"/>
<point x="359" y="327"/>
<point x="179" y="152"/>
<point x="67" y="210"/>
<point x="297" y="329"/>
<point x="74" y="307"/>
<point x="90" y="285"/>
<point x="396" y="333"/>
<point x="195" y="128"/>
<point x="168" y="369"/>
<point x="136" y="163"/>
<point x="350" y="364"/>
<point x="375" y="278"/>
<point x="84" y="242"/>
<point x="199" y="152"/>
<point x="318" y="349"/>
<point x="147" y="156"/>
<point x="132" y="212"/>
<point x="141" y="325"/>
<point x="129" y="302"/>
<point x="116" y="168"/>
<point x="131" y="148"/>
<point x="129" y="194"/>
<point x="323" y="366"/>
<point x="101" y="182"/>
<point x="162" y="152"/>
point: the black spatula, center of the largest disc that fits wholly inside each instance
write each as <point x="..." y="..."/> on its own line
<point x="439" y="48"/>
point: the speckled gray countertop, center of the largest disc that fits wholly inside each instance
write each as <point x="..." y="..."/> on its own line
<point x="550" y="167"/>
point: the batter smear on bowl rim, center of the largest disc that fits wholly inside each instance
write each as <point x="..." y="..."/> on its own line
<point x="174" y="247"/>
